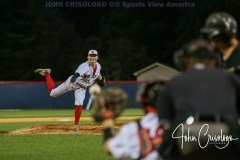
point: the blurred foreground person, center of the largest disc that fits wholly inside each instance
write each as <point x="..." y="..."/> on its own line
<point x="202" y="108"/>
<point x="138" y="139"/>
<point x="221" y="29"/>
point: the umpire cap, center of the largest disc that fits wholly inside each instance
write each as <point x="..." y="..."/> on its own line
<point x="199" y="48"/>
<point x="221" y="26"/>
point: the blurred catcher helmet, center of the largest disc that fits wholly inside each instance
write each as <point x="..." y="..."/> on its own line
<point x="109" y="103"/>
<point x="220" y="26"/>
<point x="115" y="98"/>
<point x="148" y="93"/>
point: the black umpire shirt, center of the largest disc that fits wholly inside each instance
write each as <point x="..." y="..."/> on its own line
<point x="202" y="90"/>
<point x="233" y="62"/>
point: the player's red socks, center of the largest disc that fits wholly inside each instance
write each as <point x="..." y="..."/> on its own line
<point x="78" y="113"/>
<point x="50" y="83"/>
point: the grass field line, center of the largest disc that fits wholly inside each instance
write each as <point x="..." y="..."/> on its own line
<point x="51" y="119"/>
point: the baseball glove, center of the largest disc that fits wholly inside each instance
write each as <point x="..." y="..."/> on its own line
<point x="102" y="82"/>
<point x="109" y="104"/>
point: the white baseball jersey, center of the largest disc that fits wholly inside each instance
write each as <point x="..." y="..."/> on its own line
<point x="126" y="143"/>
<point x="87" y="77"/>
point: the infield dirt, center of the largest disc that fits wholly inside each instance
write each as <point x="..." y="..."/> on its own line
<point x="91" y="128"/>
<point x="62" y="129"/>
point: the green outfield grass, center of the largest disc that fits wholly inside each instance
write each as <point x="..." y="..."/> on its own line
<point x="50" y="147"/>
<point x="6" y="127"/>
<point x="56" y="113"/>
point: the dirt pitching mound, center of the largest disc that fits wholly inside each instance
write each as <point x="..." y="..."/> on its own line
<point x="62" y="129"/>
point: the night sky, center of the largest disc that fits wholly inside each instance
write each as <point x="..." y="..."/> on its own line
<point x="128" y="35"/>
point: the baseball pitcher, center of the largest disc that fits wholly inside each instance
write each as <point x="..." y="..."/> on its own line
<point x="85" y="75"/>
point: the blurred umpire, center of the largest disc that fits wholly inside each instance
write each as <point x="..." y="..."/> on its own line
<point x="204" y="94"/>
<point x="221" y="29"/>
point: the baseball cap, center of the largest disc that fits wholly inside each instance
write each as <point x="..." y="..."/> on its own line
<point x="93" y="52"/>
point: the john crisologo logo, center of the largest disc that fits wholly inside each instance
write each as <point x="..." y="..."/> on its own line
<point x="203" y="137"/>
